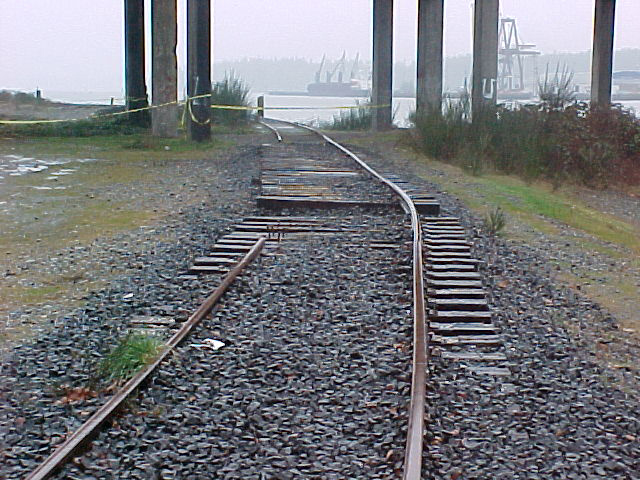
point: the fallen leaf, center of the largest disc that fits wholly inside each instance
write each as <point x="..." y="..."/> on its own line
<point x="79" y="394"/>
<point x="388" y="455"/>
<point x="503" y="284"/>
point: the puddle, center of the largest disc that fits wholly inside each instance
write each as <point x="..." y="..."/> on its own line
<point x="17" y="165"/>
<point x="64" y="171"/>
<point x="44" y="187"/>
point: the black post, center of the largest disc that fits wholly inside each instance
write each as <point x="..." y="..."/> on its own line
<point x="430" y="33"/>
<point x="602" y="62"/>
<point x="135" y="86"/>
<point x="484" y="86"/>
<point x="199" y="69"/>
<point x="382" y="82"/>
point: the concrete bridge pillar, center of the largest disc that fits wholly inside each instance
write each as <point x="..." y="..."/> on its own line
<point x="484" y="85"/>
<point x="382" y="87"/>
<point x="164" y="66"/>
<point x="602" y="62"/>
<point x="430" y="38"/>
<point x="135" y="86"/>
<point x="199" y="68"/>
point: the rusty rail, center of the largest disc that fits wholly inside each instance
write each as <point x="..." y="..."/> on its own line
<point x="273" y="129"/>
<point x="80" y="436"/>
<point x="413" y="450"/>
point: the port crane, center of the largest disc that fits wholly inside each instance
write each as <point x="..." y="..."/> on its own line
<point x="511" y="57"/>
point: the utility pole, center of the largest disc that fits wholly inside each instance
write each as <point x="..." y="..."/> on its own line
<point x="382" y="88"/>
<point x="602" y="61"/>
<point x="135" y="86"/>
<point x="164" y="65"/>
<point x="484" y="86"/>
<point x="199" y="69"/>
<point x="430" y="37"/>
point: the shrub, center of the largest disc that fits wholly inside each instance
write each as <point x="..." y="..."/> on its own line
<point x="79" y="128"/>
<point x="553" y="140"/>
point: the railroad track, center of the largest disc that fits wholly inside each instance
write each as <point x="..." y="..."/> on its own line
<point x="303" y="185"/>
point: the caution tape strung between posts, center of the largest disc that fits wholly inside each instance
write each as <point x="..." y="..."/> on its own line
<point x="187" y="104"/>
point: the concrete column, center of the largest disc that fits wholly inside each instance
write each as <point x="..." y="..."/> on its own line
<point x="430" y="33"/>
<point x="199" y="68"/>
<point x="382" y="88"/>
<point x="135" y="86"/>
<point x="484" y="88"/>
<point x="602" y="62"/>
<point x="164" y="65"/>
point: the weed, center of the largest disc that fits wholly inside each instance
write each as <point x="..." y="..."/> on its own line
<point x="132" y="353"/>
<point x="495" y="221"/>
<point x="558" y="92"/>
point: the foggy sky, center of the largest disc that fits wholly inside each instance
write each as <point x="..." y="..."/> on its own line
<point x="78" y="44"/>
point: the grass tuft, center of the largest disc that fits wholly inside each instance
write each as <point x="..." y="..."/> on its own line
<point x="132" y="353"/>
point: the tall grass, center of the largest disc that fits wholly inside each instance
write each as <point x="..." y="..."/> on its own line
<point x="230" y="91"/>
<point x="359" y="118"/>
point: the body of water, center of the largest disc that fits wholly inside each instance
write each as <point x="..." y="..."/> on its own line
<point x="320" y="108"/>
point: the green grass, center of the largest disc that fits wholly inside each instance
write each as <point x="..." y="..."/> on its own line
<point x="30" y="295"/>
<point x="529" y="201"/>
<point x="132" y="353"/>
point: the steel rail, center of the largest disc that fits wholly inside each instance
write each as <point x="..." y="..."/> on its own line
<point x="413" y="450"/>
<point x="80" y="436"/>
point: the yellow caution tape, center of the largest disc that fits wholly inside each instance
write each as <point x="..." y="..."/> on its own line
<point x="187" y="105"/>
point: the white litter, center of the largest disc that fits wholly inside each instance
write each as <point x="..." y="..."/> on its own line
<point x="209" y="343"/>
<point x="128" y="295"/>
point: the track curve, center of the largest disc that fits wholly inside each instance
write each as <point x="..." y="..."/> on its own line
<point x="415" y="430"/>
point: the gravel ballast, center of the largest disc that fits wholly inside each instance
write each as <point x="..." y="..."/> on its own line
<point x="312" y="381"/>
